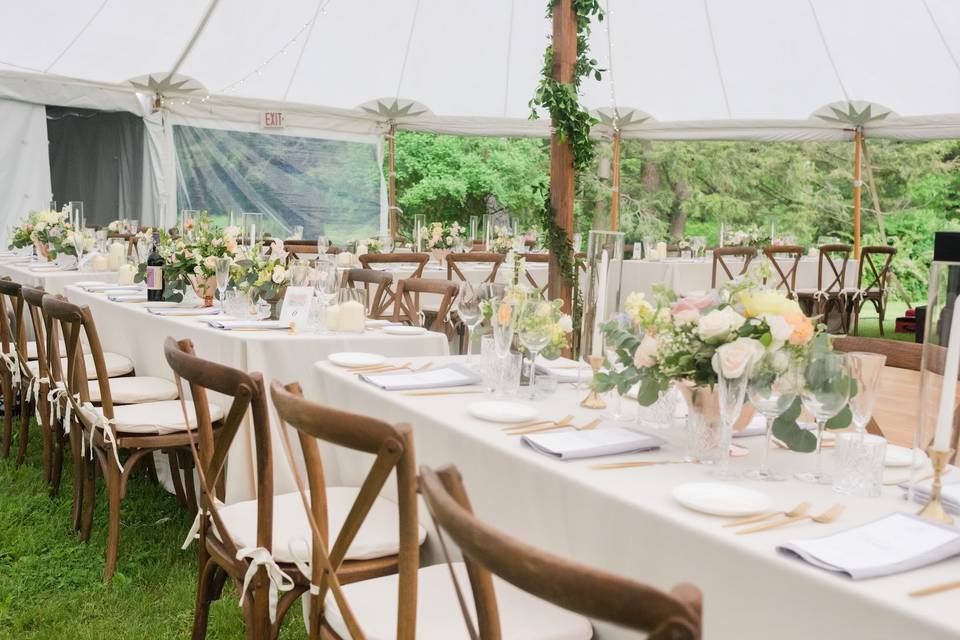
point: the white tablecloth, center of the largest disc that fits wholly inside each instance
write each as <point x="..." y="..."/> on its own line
<point x="127" y="328"/>
<point x="627" y="522"/>
<point x="52" y="281"/>
<point x="695" y="275"/>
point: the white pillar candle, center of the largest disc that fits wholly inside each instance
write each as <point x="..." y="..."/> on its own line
<point x="116" y="256"/>
<point x="352" y="316"/>
<point x="948" y="394"/>
<point x="125" y="274"/>
<point x="98" y="263"/>
<point x="333" y="318"/>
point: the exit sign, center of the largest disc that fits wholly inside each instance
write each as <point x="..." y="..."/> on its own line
<point x="272" y="120"/>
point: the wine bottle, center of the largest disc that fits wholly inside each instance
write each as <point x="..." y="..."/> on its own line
<point x="155" y="264"/>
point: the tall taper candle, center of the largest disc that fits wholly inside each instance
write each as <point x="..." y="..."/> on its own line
<point x="596" y="348"/>
<point x="948" y="392"/>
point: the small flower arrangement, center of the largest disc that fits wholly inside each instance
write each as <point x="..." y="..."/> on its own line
<point x="439" y="236"/>
<point x="117" y="226"/>
<point x="751" y="236"/>
<point x="688" y="340"/>
<point x="374" y="245"/>
<point x="263" y="275"/>
<point x="502" y="239"/>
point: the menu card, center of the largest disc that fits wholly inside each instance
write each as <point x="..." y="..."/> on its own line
<point x="296" y="304"/>
<point x="893" y="544"/>
<point x="604" y="441"/>
<point x="451" y="375"/>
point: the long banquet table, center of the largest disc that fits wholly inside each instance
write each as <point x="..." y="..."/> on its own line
<point x="129" y="329"/>
<point x="627" y="522"/>
<point x="52" y="281"/>
<point x="684" y="275"/>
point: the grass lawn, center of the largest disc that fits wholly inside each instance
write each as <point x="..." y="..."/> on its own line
<point x="870" y="327"/>
<point x="50" y="582"/>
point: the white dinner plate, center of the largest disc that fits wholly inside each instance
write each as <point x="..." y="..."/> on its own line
<point x="502" y="411"/>
<point x="898" y="456"/>
<point x="721" y="498"/>
<point x="404" y="330"/>
<point x="356" y="359"/>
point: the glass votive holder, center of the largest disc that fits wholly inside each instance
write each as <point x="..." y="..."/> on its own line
<point x="488" y="362"/>
<point x="859" y="464"/>
<point x="660" y="414"/>
<point x="546" y="385"/>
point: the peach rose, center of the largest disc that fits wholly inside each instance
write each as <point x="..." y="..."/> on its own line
<point x="802" y="328"/>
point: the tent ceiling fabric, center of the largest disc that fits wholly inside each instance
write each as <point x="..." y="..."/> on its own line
<point x="695" y="67"/>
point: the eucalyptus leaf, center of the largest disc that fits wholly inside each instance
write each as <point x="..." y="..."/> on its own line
<point x="786" y="429"/>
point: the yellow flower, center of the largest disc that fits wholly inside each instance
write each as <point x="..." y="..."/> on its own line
<point x="756" y="303"/>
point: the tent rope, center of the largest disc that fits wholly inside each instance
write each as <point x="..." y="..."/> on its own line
<point x="321" y="8"/>
<point x="406" y="51"/>
<point x="716" y="59"/>
<point x="73" y="41"/>
<point x="943" y="39"/>
<point x="826" y="48"/>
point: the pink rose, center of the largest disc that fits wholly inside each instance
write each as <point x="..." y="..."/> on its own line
<point x="646" y="354"/>
<point x="688" y="309"/>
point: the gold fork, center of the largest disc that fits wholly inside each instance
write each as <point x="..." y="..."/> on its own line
<point x="635" y="463"/>
<point x="799" y="510"/>
<point x="827" y="517"/>
<point x="540" y="423"/>
<point x="380" y="368"/>
<point x="590" y="425"/>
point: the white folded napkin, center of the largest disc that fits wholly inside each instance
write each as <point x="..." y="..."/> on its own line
<point x="893" y="544"/>
<point x="128" y="297"/>
<point x="564" y="369"/>
<point x="572" y="444"/>
<point x="91" y="283"/>
<point x="184" y="311"/>
<point x="45" y="267"/>
<point x="451" y="375"/>
<point x="247" y="324"/>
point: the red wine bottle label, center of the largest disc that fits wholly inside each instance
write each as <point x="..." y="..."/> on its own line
<point x="155" y="278"/>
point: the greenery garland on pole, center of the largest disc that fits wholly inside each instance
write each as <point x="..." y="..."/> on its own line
<point x="572" y="123"/>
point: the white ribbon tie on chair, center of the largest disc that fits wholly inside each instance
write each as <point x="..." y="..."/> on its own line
<point x="279" y="581"/>
<point x="303" y="565"/>
<point x="13" y="365"/>
<point x="194" y="533"/>
<point x="54" y="396"/>
<point x="101" y="422"/>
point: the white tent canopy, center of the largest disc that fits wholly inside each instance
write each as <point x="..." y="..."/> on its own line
<point x="700" y="68"/>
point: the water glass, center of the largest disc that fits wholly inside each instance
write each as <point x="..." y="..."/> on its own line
<point x="660" y="414"/>
<point x="824" y="392"/>
<point x="323" y="244"/>
<point x="546" y="385"/>
<point x="488" y="362"/>
<point x="386" y="243"/>
<point x="508" y="375"/>
<point x="299" y="272"/>
<point x="859" y="464"/>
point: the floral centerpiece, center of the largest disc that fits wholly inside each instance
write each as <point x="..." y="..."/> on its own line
<point x="751" y="236"/>
<point x="502" y="239"/>
<point x="263" y="275"/>
<point x="687" y="341"/>
<point x="440" y="239"/>
<point x="45" y="230"/>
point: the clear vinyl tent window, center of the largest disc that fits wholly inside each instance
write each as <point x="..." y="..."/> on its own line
<point x="326" y="186"/>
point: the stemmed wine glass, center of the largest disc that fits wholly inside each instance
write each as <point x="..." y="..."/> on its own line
<point x="223" y="277"/>
<point x="467" y="305"/>
<point x="386" y="243"/>
<point x="773" y="386"/>
<point x="824" y="392"/>
<point x="865" y="369"/>
<point x="325" y="287"/>
<point x="504" y="323"/>
<point x="78" y="242"/>
<point x="535" y="328"/>
<point x="732" y="390"/>
<point x="323" y="244"/>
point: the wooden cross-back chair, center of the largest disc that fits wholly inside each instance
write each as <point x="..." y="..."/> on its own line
<point x="455" y="260"/>
<point x="52" y="434"/>
<point x="152" y="424"/>
<point x="386" y="607"/>
<point x="408" y="308"/>
<point x="273" y="522"/>
<point x="13" y="370"/>
<point x="873" y="273"/>
<point x="785" y="279"/>
<point x="831" y="276"/>
<point x="537" y="258"/>
<point x="377" y="285"/>
<point x="575" y="587"/>
<point x="395" y="261"/>
<point x="720" y="257"/>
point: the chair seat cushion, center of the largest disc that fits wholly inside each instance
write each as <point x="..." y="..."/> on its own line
<point x="32" y="349"/>
<point x="117" y="365"/>
<point x="153" y="417"/>
<point x="135" y="389"/>
<point x="378" y="537"/>
<point x="522" y="616"/>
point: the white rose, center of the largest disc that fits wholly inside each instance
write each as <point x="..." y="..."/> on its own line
<point x="734" y="358"/>
<point x="279" y="274"/>
<point x="646" y="354"/>
<point x="210" y="262"/>
<point x="720" y="323"/>
<point x="565" y="323"/>
<point x="780" y="329"/>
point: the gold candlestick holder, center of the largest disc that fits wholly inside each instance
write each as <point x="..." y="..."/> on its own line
<point x="593" y="399"/>
<point x="934" y="510"/>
